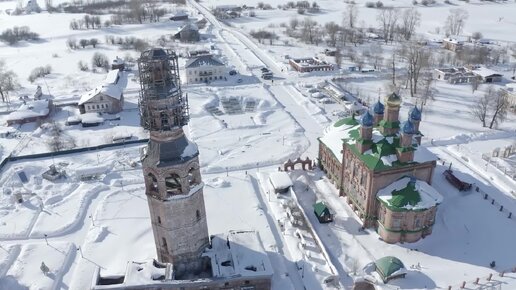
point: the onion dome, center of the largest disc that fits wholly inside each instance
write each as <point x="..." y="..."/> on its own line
<point x="408" y="127"/>
<point x="367" y="120"/>
<point x="415" y="114"/>
<point x="393" y="100"/>
<point x="378" y="108"/>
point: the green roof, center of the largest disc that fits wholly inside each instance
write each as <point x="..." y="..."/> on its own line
<point x="387" y="124"/>
<point x="320" y="209"/>
<point x="346" y="121"/>
<point x="387" y="266"/>
<point x="403" y="197"/>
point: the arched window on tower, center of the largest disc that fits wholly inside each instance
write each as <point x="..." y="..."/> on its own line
<point x="165" y="124"/>
<point x="157" y="72"/>
<point x="173" y="184"/>
<point x="193" y="177"/>
<point x="198" y="215"/>
<point x="153" y="182"/>
<point x="164" y="244"/>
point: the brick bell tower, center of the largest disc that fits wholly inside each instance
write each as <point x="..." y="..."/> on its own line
<point x="170" y="163"/>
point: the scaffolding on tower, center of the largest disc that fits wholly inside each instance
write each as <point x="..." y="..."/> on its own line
<point x="161" y="102"/>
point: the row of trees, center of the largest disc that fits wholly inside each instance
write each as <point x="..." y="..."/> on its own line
<point x="18" y="33"/>
<point x="72" y="43"/>
<point x="86" y="22"/>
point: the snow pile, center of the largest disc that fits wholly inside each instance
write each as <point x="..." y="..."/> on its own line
<point x="218" y="182"/>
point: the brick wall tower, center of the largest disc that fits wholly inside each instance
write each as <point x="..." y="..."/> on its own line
<point x="390" y="124"/>
<point x="170" y="163"/>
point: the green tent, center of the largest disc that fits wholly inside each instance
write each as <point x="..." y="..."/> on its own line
<point x="389" y="268"/>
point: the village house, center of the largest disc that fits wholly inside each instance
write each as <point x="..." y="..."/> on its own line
<point x="188" y="33"/>
<point x="179" y="16"/>
<point x="118" y="64"/>
<point x="309" y="64"/>
<point x="453" y="44"/>
<point x="510" y="88"/>
<point x="454" y="75"/>
<point x="204" y="68"/>
<point x="30" y="111"/>
<point x="105" y="98"/>
<point x="487" y="75"/>
<point x="383" y="171"/>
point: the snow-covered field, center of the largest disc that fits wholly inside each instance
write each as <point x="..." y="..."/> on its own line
<point x="244" y="130"/>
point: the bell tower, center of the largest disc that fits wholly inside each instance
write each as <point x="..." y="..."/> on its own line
<point x="170" y="163"/>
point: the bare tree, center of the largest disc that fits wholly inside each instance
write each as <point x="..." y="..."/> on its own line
<point x="387" y="19"/>
<point x="499" y="107"/>
<point x="376" y="53"/>
<point x="308" y="30"/>
<point x="350" y="16"/>
<point x="456" y="21"/>
<point x="332" y="30"/>
<point x="475" y="82"/>
<point x="8" y="82"/>
<point x="418" y="59"/>
<point x="409" y="22"/>
<point x="294" y="23"/>
<point x="481" y="107"/>
<point x="100" y="60"/>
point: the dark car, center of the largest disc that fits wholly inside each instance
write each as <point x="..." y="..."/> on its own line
<point x="264" y="69"/>
<point x="232" y="72"/>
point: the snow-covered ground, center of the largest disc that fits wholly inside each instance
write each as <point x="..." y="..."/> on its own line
<point x="244" y="130"/>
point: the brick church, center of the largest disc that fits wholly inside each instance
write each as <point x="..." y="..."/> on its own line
<point x="380" y="167"/>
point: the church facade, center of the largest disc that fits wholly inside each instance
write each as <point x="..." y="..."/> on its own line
<point x="379" y="165"/>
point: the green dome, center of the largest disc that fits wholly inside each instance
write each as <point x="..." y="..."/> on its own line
<point x="387" y="266"/>
<point x="393" y="100"/>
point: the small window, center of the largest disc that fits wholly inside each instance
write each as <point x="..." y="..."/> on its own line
<point x="198" y="215"/>
<point x="159" y="220"/>
<point x="164" y="244"/>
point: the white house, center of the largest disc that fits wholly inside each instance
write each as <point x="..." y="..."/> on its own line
<point x="204" y="68"/>
<point x="106" y="98"/>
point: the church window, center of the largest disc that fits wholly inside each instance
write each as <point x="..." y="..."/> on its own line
<point x="173" y="184"/>
<point x="164" y="121"/>
<point x="164" y="242"/>
<point x="159" y="220"/>
<point x="198" y="215"/>
<point x="153" y="182"/>
<point x="192" y="177"/>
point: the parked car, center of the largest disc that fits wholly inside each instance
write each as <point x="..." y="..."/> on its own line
<point x="264" y="69"/>
<point x="326" y="100"/>
<point x="312" y="90"/>
<point x="232" y="72"/>
<point x="318" y="95"/>
<point x="239" y="80"/>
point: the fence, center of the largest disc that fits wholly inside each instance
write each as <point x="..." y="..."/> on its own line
<point x="11" y="158"/>
<point x="510" y="172"/>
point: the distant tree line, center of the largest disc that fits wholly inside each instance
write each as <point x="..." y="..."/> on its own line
<point x="18" y="33"/>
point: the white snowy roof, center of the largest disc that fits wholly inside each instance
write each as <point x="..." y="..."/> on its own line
<point x="112" y="76"/>
<point x="428" y="195"/>
<point x="109" y="90"/>
<point x="333" y="136"/>
<point x="485" y="72"/>
<point x="93" y="170"/>
<point x="38" y="108"/>
<point x="238" y="253"/>
<point x="280" y="180"/>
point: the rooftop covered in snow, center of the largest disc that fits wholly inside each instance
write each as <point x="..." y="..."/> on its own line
<point x="382" y="154"/>
<point x="239" y="253"/>
<point x="408" y="193"/>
